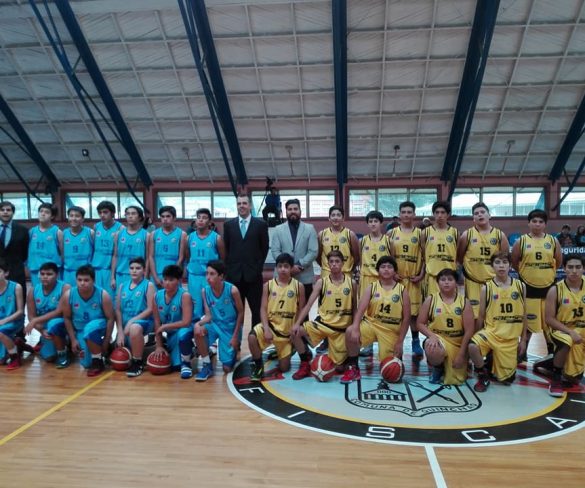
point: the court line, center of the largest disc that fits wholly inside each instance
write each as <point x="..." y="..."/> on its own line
<point x="435" y="467"/>
<point x="53" y="409"/>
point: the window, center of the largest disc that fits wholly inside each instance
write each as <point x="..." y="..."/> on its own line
<point x="388" y="200"/>
<point x="319" y="201"/>
<point x="528" y="199"/>
<point x="173" y="199"/>
<point x="502" y="201"/>
<point x="574" y="203"/>
<point x="463" y="199"/>
<point x="90" y="200"/>
<point x="194" y="200"/>
<point x="224" y="205"/>
<point x="499" y="200"/>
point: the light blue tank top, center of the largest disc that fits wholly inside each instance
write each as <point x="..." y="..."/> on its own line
<point x="43" y="247"/>
<point x="104" y="245"/>
<point x="8" y="300"/>
<point x="47" y="303"/>
<point x="130" y="246"/>
<point x="223" y="308"/>
<point x="84" y="311"/>
<point x="172" y="311"/>
<point x="133" y="300"/>
<point x="201" y="251"/>
<point x="77" y="249"/>
<point x="166" y="248"/>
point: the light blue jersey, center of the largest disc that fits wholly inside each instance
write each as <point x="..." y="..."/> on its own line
<point x="7" y="308"/>
<point x="223" y="307"/>
<point x="43" y="248"/>
<point x="201" y="251"/>
<point x="171" y="311"/>
<point x="102" y="254"/>
<point x="178" y="339"/>
<point x="77" y="251"/>
<point x="130" y="245"/>
<point x="84" y="311"/>
<point x="47" y="303"/>
<point x="133" y="299"/>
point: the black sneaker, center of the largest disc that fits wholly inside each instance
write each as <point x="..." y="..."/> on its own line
<point x="136" y="369"/>
<point x="97" y="367"/>
<point x="482" y="383"/>
<point x="257" y="373"/>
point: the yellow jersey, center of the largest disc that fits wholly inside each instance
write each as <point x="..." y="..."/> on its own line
<point x="537" y="266"/>
<point x="440" y="249"/>
<point x="336" y="303"/>
<point x="480" y="248"/>
<point x="504" y="311"/>
<point x="385" y="307"/>
<point x="339" y="241"/>
<point x="371" y="251"/>
<point x="571" y="305"/>
<point x="283" y="303"/>
<point x="446" y="319"/>
<point x="406" y="248"/>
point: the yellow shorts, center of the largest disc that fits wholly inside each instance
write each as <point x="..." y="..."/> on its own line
<point x="386" y="337"/>
<point x="505" y="352"/>
<point x="282" y="345"/>
<point x="414" y="291"/>
<point x="472" y="293"/>
<point x="535" y="317"/>
<point x="453" y="376"/>
<point x="318" y="331"/>
<point x="365" y="280"/>
<point x="575" y="364"/>
<point x="431" y="285"/>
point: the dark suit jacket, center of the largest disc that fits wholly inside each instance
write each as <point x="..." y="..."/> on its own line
<point x="16" y="253"/>
<point x="245" y="257"/>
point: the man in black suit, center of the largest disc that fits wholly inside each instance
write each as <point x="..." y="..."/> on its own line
<point x="246" y="244"/>
<point x="13" y="244"/>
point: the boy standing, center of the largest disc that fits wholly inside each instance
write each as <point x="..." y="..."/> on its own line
<point x="46" y="243"/>
<point x="338" y="238"/>
<point x="105" y="230"/>
<point x="77" y="245"/>
<point x="282" y="298"/>
<point x="222" y="322"/>
<point x="372" y="247"/>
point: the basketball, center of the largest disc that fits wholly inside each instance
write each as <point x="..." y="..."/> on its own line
<point x="322" y="368"/>
<point x="391" y="369"/>
<point x="120" y="359"/>
<point x="158" y="366"/>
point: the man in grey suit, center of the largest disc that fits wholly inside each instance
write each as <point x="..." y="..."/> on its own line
<point x="300" y="241"/>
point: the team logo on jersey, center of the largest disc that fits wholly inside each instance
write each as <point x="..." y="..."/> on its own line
<point x="583" y="299"/>
<point x="122" y="239"/>
<point x="174" y="308"/>
<point x="124" y="295"/>
<point x="414" y="240"/>
<point x="449" y="239"/>
<point x="346" y="291"/>
<point x="49" y="238"/>
<point x="342" y="240"/>
<point x="493" y="241"/>
<point x="94" y="306"/>
<point x="382" y="248"/>
<point x="290" y="293"/>
<point x="208" y="245"/>
<point x="138" y="294"/>
<point x="414" y="411"/>
<point x="515" y="295"/>
<point x="457" y="311"/>
<point x="98" y="233"/>
<point x="547" y="245"/>
<point x="83" y="239"/>
<point x="395" y="298"/>
<point x="138" y="240"/>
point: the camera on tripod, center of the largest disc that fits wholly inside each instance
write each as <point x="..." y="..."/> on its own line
<point x="269" y="184"/>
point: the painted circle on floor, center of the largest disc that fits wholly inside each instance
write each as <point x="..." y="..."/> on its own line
<point x="414" y="412"/>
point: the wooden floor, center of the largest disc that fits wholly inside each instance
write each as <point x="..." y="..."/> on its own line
<point x="61" y="429"/>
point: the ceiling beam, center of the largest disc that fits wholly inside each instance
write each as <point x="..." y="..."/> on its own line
<point x="339" y="14"/>
<point x="480" y="39"/>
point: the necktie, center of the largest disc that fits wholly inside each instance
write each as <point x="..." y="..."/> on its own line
<point x="3" y="235"/>
<point x="243" y="225"/>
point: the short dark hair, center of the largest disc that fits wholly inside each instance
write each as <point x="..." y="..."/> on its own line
<point x="480" y="205"/>
<point x="568" y="257"/>
<point x="333" y="208"/>
<point x="138" y="210"/>
<point x="77" y="209"/>
<point x="173" y="271"/>
<point x="408" y="204"/>
<point x="442" y="204"/>
<point x="384" y="260"/>
<point x="4" y="265"/>
<point x="244" y="195"/>
<point x="448" y="272"/>
<point x="106" y="205"/>
<point x="218" y="265"/>
<point x="501" y="255"/>
<point x="335" y="254"/>
<point x="168" y="208"/>
<point x="292" y="201"/>
<point x="374" y="214"/>
<point x="49" y="266"/>
<point x="50" y="207"/>
<point x="285" y="258"/>
<point x="86" y="270"/>
<point x="138" y="260"/>
<point x="6" y="203"/>
<point x="537" y="214"/>
<point x="203" y="211"/>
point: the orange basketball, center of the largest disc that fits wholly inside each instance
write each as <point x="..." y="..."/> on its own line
<point x="158" y="366"/>
<point x="392" y="369"/>
<point x="322" y="368"/>
<point x="120" y="359"/>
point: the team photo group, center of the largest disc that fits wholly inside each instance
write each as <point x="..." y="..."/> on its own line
<point x="120" y="288"/>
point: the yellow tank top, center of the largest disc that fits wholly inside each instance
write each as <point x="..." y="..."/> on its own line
<point x="406" y="248"/>
<point x="340" y="241"/>
<point x="336" y="303"/>
<point x="446" y="319"/>
<point x="385" y="307"/>
<point x="504" y="312"/>
<point x="480" y="247"/>
<point x="440" y="249"/>
<point x="283" y="303"/>
<point x="371" y="251"/>
<point x="571" y="305"/>
<point x="537" y="261"/>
